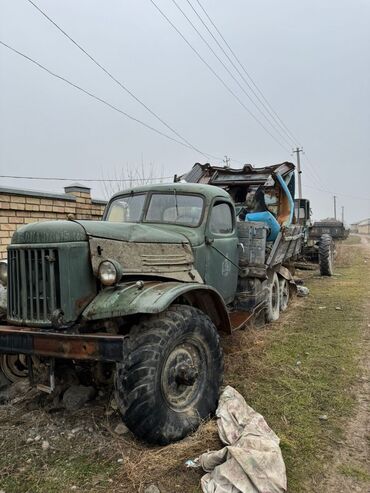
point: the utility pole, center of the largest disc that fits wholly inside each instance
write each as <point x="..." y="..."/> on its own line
<point x="342" y="214"/>
<point x="335" y="206"/>
<point x="298" y="150"/>
<point x="227" y="162"/>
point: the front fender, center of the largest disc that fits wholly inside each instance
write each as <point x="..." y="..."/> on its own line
<point x="154" y="297"/>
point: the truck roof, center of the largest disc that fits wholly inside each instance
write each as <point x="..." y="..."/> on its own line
<point x="209" y="191"/>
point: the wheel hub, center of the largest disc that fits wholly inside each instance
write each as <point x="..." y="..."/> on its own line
<point x="185" y="374"/>
<point x="181" y="376"/>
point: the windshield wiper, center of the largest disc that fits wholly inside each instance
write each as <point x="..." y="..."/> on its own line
<point x="176" y="205"/>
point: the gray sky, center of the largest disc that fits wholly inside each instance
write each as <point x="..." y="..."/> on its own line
<point x="310" y="58"/>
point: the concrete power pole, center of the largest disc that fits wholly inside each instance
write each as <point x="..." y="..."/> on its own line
<point x="227" y="162"/>
<point x="335" y="206"/>
<point x="298" y="150"/>
<point x="342" y="214"/>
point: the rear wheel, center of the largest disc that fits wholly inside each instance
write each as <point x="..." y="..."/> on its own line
<point x="172" y="376"/>
<point x="284" y="294"/>
<point x="273" y="298"/>
<point x="326" y="255"/>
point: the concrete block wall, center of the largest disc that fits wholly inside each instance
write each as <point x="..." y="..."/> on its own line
<point x="18" y="207"/>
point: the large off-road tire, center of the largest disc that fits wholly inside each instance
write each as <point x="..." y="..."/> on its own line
<point x="273" y="298"/>
<point x="171" y="378"/>
<point x="284" y="293"/>
<point x="13" y="367"/>
<point x="326" y="255"/>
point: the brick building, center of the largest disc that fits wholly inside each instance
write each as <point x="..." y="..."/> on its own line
<point x="18" y="207"/>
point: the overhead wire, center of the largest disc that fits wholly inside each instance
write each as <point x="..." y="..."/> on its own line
<point x="117" y="81"/>
<point x="313" y="168"/>
<point x="355" y="197"/>
<point x="94" y="96"/>
<point x="242" y="66"/>
<point x="158" y="178"/>
<point x="48" y="178"/>
<point x="215" y="73"/>
<point x="227" y="68"/>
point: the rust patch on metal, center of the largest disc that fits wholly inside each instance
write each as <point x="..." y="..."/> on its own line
<point x="239" y="319"/>
<point x="96" y="347"/>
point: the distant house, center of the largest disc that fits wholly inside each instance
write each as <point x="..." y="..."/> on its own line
<point x="363" y="226"/>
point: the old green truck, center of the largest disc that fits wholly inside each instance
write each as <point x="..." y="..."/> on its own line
<point x="147" y="290"/>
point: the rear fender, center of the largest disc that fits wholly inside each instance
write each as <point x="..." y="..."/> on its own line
<point x="154" y="297"/>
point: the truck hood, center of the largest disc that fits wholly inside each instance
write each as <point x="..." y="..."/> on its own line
<point x="49" y="232"/>
<point x="136" y="233"/>
<point x="71" y="231"/>
<point x="67" y="231"/>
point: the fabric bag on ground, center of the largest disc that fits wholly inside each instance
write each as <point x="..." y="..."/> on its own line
<point x="251" y="461"/>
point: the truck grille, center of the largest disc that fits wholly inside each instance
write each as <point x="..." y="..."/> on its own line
<point x="33" y="292"/>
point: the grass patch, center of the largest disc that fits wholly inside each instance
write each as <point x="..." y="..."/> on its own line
<point x="353" y="240"/>
<point x="60" y="473"/>
<point x="355" y="472"/>
<point x="303" y="367"/>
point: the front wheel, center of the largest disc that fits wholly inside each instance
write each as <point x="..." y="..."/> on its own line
<point x="171" y="379"/>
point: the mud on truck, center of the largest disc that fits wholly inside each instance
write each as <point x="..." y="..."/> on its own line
<point x="143" y="294"/>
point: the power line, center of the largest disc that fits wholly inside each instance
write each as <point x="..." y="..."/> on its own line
<point x="314" y="170"/>
<point x="356" y="197"/>
<point x="311" y="170"/>
<point x="247" y="74"/>
<point x="126" y="89"/>
<point x="264" y="106"/>
<point x="48" y="178"/>
<point x="225" y="67"/>
<point x="214" y="72"/>
<point x="97" y="98"/>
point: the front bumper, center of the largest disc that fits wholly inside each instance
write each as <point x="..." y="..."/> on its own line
<point x="93" y="347"/>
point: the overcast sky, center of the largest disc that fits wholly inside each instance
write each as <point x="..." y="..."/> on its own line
<point x="309" y="57"/>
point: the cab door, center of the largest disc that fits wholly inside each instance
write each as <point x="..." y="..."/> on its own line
<point x="222" y="254"/>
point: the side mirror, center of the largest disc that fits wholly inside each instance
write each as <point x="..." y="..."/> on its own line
<point x="209" y="241"/>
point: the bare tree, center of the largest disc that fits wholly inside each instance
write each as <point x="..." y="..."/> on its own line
<point x="132" y="176"/>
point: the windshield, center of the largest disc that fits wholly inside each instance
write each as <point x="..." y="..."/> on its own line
<point x="175" y="208"/>
<point x="127" y="209"/>
<point x="172" y="208"/>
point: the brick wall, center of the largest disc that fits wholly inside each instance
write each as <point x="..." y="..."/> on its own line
<point x="18" y="207"/>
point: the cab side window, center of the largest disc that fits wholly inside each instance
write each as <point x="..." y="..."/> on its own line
<point x="221" y="219"/>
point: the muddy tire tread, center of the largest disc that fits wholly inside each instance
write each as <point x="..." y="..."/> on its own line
<point x="136" y="382"/>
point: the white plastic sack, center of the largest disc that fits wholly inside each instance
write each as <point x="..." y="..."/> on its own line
<point x="252" y="461"/>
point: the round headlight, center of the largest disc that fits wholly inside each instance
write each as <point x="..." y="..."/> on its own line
<point x="3" y="273"/>
<point x="110" y="272"/>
